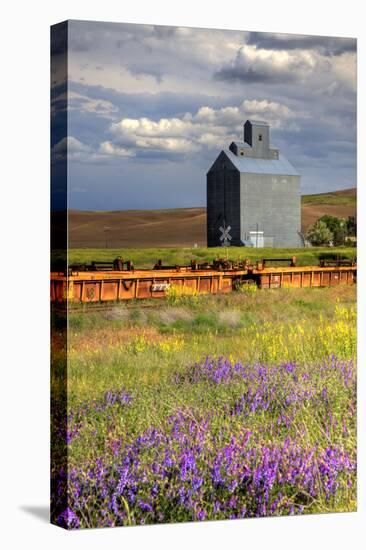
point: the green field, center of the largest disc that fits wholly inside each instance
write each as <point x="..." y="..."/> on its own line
<point x="147" y="257"/>
<point x="342" y="198"/>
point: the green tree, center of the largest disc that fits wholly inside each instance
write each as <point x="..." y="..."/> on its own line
<point x="319" y="234"/>
<point x="337" y="226"/>
<point x="351" y="226"/>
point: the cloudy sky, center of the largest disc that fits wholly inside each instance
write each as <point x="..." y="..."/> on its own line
<point x="150" y="108"/>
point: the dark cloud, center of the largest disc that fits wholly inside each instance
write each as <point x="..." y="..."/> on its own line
<point x="253" y="75"/>
<point x="147" y="69"/>
<point x="163" y="32"/>
<point x="323" y="44"/>
<point x="251" y="69"/>
<point x="91" y="35"/>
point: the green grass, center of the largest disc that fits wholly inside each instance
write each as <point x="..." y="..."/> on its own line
<point x="291" y="304"/>
<point x="147" y="257"/>
<point x="330" y="198"/>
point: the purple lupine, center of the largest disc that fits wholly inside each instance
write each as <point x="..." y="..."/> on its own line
<point x="68" y="519"/>
<point x="240" y="478"/>
<point x="192" y="470"/>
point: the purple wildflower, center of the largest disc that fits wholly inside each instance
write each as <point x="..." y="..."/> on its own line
<point x="68" y="519"/>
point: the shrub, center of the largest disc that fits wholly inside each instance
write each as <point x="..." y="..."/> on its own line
<point x="246" y="287"/>
<point x="177" y="295"/>
<point x="319" y="234"/>
<point x="337" y="226"/>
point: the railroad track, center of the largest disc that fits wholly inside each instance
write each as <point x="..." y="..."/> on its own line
<point x="105" y="307"/>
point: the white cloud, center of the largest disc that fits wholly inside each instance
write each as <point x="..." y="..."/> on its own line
<point x="85" y="104"/>
<point x="210" y="128"/>
<point x="109" y="148"/>
<point x="345" y="70"/>
<point x="77" y="151"/>
<point x="72" y="147"/>
<point x="252" y="64"/>
<point x="172" y="135"/>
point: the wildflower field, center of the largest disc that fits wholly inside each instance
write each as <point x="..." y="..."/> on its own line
<point x="209" y="407"/>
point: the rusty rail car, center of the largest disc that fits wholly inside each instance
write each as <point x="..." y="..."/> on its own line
<point x="119" y="280"/>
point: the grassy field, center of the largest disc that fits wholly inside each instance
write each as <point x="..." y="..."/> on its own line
<point x="346" y="197"/>
<point x="211" y="407"/>
<point x="147" y="257"/>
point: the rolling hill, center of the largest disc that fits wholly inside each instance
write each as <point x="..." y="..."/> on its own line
<point x="180" y="226"/>
<point x="338" y="203"/>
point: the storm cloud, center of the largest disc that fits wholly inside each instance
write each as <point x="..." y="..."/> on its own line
<point x="326" y="45"/>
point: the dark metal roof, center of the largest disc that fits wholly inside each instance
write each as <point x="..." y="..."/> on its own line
<point x="280" y="166"/>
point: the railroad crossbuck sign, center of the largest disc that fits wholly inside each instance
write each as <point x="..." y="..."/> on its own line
<point x="225" y="238"/>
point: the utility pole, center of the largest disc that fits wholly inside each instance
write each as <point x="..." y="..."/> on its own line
<point x="106" y="229"/>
